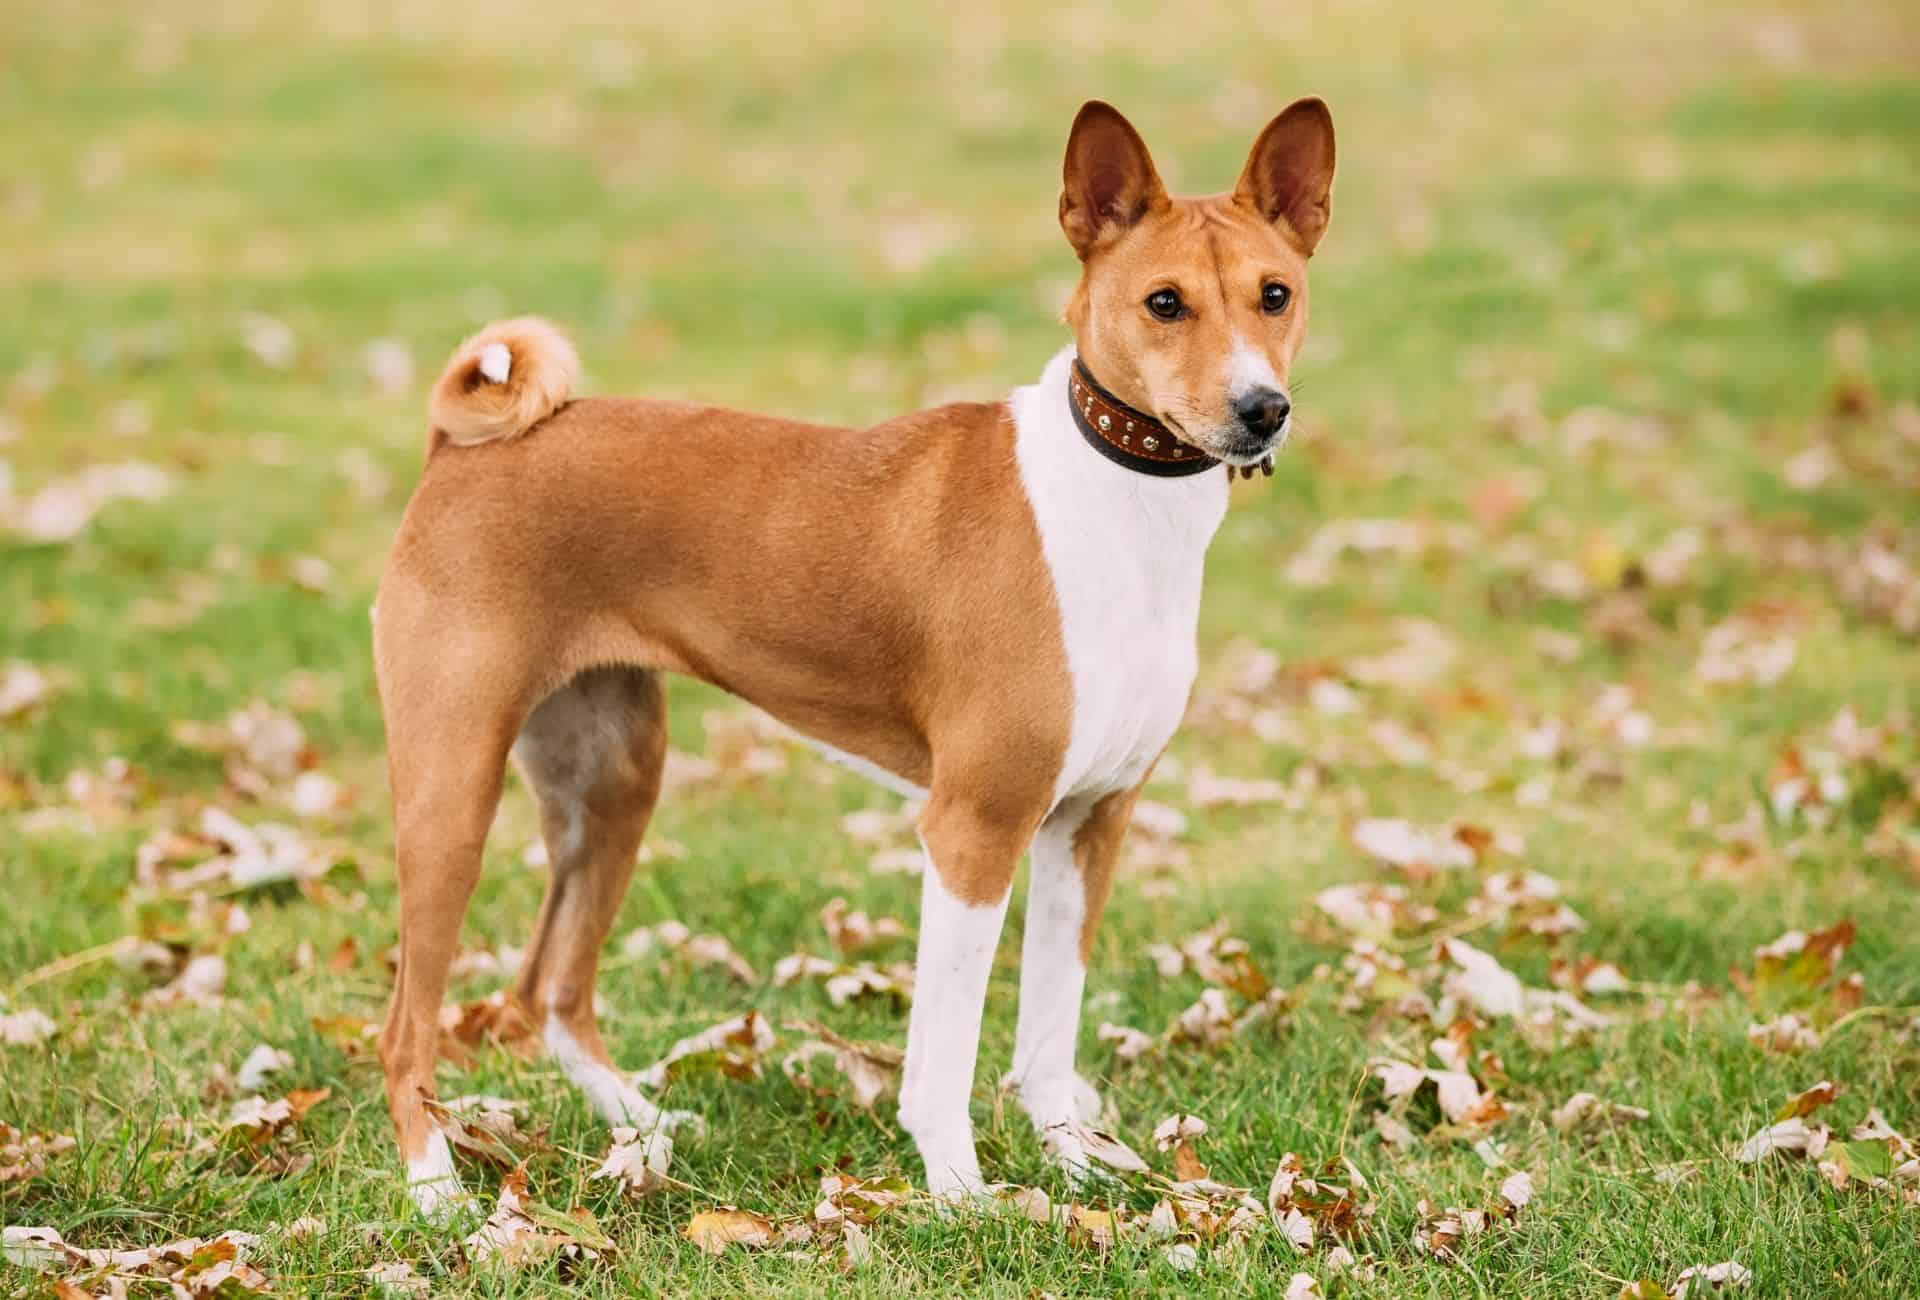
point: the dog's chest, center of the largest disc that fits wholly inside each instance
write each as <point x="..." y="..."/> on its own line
<point x="1126" y="555"/>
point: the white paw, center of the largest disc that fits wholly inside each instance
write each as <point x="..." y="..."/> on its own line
<point x="958" y="1187"/>
<point x="434" y="1187"/>
<point x="1087" y="1106"/>
<point x="1067" y="1099"/>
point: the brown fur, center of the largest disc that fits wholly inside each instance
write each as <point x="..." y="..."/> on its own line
<point x="882" y="590"/>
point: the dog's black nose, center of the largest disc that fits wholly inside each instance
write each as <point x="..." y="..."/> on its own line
<point x="1262" y="411"/>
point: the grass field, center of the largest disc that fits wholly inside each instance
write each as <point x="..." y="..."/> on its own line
<point x="1606" y="507"/>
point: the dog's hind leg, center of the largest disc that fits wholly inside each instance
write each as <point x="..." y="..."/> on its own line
<point x="593" y="753"/>
<point x="451" y="713"/>
<point x="1073" y="860"/>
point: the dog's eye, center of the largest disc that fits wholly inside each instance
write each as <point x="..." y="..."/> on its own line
<point x="1274" y="297"/>
<point x="1166" y="304"/>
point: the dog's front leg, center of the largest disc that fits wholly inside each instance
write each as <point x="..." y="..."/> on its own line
<point x="1073" y="860"/>
<point x="971" y="857"/>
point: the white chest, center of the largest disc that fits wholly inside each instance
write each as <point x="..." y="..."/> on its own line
<point x="1126" y="553"/>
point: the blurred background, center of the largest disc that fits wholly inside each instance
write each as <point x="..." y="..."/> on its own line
<point x="1601" y="527"/>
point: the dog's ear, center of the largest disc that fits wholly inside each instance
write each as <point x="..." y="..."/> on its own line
<point x="1289" y="174"/>
<point x="1109" y="178"/>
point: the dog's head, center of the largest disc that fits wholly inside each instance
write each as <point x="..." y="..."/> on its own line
<point x="1192" y="309"/>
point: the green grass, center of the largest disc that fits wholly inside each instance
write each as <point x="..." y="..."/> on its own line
<point x="1671" y="216"/>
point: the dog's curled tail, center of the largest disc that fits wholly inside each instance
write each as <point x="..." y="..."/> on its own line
<point x="501" y="382"/>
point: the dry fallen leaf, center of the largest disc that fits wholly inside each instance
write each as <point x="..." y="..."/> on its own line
<point x="24" y="1156"/>
<point x="715" y="1230"/>
<point x="522" y="1231"/>
<point x="732" y="1048"/>
<point x="673" y="938"/>
<point x="639" y="1161"/>
<point x="261" y="1062"/>
<point x="25" y="1028"/>
<point x="1583" y="1110"/>
<point x="854" y="931"/>
<point x="872" y="1070"/>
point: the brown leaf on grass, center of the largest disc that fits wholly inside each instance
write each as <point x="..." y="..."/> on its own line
<point x="715" y="1230"/>
<point x="1216" y="957"/>
<point x="854" y="931"/>
<point x="202" y="982"/>
<point x="1755" y="648"/>
<point x="638" y="1161"/>
<point x="485" y="1127"/>
<point x="1098" y="1145"/>
<point x="674" y="939"/>
<point x="1527" y="902"/>
<point x="496" y="1020"/>
<point x="1374" y="911"/>
<point x="61" y="510"/>
<point x="1177" y="1134"/>
<point x="1479" y="980"/>
<point x="1700" y="1280"/>
<point x="1798" y="975"/>
<point x="521" y="1231"/>
<point x="1129" y="1044"/>
<point x="1588" y="975"/>
<point x="1417" y="851"/>
<point x="1441" y="1232"/>
<point x="1791" y="1136"/>
<point x="872" y="1070"/>
<point x="845" y="983"/>
<point x="192" y="1267"/>
<point x="262" y="1062"/>
<point x="397" y="1278"/>
<point x="254" y="1121"/>
<point x="845" y="1199"/>
<point x="1307" y="1206"/>
<point x="733" y="1048"/>
<point x="1585" y="1112"/>
<point x="1798" y="1107"/>
<point x="24" y="1156"/>
<point x="1457" y="1093"/>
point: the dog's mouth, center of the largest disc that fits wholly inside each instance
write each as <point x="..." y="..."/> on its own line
<point x="1233" y="444"/>
<point x="1245" y="448"/>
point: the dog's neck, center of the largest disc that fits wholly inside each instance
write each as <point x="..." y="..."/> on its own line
<point x="1127" y="436"/>
<point x="1172" y="516"/>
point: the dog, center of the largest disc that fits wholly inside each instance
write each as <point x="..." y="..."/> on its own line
<point x="988" y="606"/>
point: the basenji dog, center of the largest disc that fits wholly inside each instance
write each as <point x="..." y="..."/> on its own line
<point x="989" y="606"/>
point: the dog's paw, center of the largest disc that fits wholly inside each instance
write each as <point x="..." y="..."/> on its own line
<point x="1087" y="1106"/>
<point x="958" y="1192"/>
<point x="434" y="1187"/>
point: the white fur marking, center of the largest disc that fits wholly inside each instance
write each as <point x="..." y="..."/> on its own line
<point x="1248" y="369"/>
<point x="606" y="1089"/>
<point x="943" y="1033"/>
<point x="1052" y="981"/>
<point x="496" y="362"/>
<point x="1126" y="552"/>
<point x="431" y="1180"/>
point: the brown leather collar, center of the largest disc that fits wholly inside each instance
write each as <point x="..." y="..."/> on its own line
<point x="1126" y="436"/>
<point x="1132" y="438"/>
